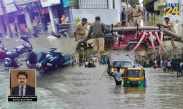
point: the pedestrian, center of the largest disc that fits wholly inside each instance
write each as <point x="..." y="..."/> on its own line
<point x="13" y="27"/>
<point x="123" y="15"/>
<point x="165" y="65"/>
<point x="118" y="77"/>
<point x="64" y="19"/>
<point x="35" y="25"/>
<point x="169" y="65"/>
<point x="181" y="66"/>
<point x="137" y="14"/>
<point x="167" y="24"/>
<point x="155" y="63"/>
<point x="178" y="69"/>
<point x="130" y="16"/>
<point x="161" y="63"/>
<point x="82" y="30"/>
<point x="97" y="30"/>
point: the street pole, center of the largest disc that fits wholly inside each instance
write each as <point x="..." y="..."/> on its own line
<point x="118" y="8"/>
<point x="110" y="3"/>
<point x="28" y="20"/>
<point x="52" y="19"/>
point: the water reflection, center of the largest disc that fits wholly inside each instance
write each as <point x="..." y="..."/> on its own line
<point x="117" y="89"/>
<point x="134" y="90"/>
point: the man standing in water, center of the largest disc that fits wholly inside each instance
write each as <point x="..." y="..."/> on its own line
<point x="118" y="77"/>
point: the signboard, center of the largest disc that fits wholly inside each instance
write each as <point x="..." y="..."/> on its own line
<point x="22" y="2"/>
<point x="9" y="6"/>
<point x="66" y="3"/>
<point x="47" y="3"/>
<point x="172" y="8"/>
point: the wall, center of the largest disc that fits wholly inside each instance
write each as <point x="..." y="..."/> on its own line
<point x="108" y="16"/>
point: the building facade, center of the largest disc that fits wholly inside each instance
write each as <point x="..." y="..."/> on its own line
<point x="108" y="10"/>
<point x="20" y="15"/>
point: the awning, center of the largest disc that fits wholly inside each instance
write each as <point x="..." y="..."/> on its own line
<point x="9" y="6"/>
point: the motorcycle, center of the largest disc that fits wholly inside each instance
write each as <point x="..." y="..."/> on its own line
<point x="68" y="60"/>
<point x="50" y="61"/>
<point x="31" y="60"/>
<point x="10" y="63"/>
<point x="2" y="54"/>
<point x="23" y="48"/>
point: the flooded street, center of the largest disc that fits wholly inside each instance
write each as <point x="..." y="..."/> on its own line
<point x="91" y="88"/>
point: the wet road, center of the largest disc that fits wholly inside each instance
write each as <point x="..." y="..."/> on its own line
<point x="91" y="88"/>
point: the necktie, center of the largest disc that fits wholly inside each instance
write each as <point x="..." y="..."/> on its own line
<point x="21" y="91"/>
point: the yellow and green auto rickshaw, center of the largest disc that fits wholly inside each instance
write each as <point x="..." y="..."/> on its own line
<point x="134" y="77"/>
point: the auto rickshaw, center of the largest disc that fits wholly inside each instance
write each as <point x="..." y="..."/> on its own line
<point x="117" y="61"/>
<point x="134" y="77"/>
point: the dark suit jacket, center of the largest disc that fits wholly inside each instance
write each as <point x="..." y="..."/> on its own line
<point x="30" y="91"/>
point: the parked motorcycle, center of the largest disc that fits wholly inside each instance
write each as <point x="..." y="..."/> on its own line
<point x="2" y="54"/>
<point x="23" y="48"/>
<point x="10" y="62"/>
<point x="31" y="60"/>
<point x="68" y="59"/>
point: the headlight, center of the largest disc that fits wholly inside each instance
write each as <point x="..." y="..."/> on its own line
<point x="49" y="64"/>
<point x="38" y="65"/>
<point x="28" y="62"/>
<point x="6" y="62"/>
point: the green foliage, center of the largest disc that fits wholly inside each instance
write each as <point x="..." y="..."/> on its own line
<point x="145" y="2"/>
<point x="134" y="2"/>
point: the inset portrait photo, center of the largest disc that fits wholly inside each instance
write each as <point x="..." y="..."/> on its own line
<point x="22" y="83"/>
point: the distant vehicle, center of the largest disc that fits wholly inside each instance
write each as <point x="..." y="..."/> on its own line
<point x="119" y="61"/>
<point x="134" y="77"/>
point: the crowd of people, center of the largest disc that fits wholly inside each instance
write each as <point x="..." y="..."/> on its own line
<point x="169" y="65"/>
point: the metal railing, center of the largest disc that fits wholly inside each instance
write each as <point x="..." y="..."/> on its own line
<point x="93" y="4"/>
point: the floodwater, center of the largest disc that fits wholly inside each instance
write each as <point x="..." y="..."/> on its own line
<point x="91" y="88"/>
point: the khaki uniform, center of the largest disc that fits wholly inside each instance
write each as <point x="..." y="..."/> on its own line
<point x="137" y="16"/>
<point x="170" y="26"/>
<point x="82" y="31"/>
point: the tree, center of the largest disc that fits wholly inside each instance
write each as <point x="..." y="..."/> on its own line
<point x="133" y="2"/>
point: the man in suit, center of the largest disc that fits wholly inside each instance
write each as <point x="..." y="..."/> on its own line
<point x="22" y="89"/>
